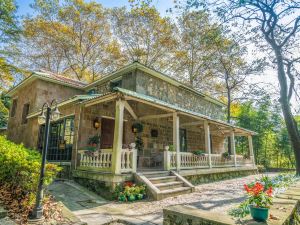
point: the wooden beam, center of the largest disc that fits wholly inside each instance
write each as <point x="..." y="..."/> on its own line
<point x="156" y="105"/>
<point x="155" y="116"/>
<point x="192" y="123"/>
<point x="176" y="140"/>
<point x="130" y="110"/>
<point x="100" y="100"/>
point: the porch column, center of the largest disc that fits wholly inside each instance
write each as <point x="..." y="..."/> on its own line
<point x="176" y="142"/>
<point x="207" y="142"/>
<point x="118" y="137"/>
<point x="251" y="149"/>
<point x="232" y="144"/>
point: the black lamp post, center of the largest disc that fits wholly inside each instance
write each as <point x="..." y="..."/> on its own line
<point x="46" y="116"/>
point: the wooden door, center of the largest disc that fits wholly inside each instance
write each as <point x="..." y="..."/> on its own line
<point x="107" y="133"/>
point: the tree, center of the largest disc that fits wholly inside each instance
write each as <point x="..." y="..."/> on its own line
<point x="144" y="35"/>
<point x="9" y="31"/>
<point x="274" y="25"/>
<point x="72" y="37"/>
<point x="193" y="55"/>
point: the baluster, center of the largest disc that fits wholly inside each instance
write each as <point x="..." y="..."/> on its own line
<point x="127" y="160"/>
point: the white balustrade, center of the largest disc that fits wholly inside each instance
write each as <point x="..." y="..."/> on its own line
<point x="190" y="160"/>
<point x="99" y="161"/>
<point x="103" y="160"/>
<point x="128" y="160"/>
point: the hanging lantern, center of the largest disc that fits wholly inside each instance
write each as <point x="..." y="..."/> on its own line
<point x="137" y="128"/>
<point x="96" y="123"/>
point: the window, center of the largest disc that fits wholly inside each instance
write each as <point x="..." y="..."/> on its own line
<point x="13" y="108"/>
<point x="61" y="137"/>
<point x="25" y="113"/>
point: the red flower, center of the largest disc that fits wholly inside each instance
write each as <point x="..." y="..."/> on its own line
<point x="269" y="192"/>
<point x="255" y="190"/>
<point x="128" y="184"/>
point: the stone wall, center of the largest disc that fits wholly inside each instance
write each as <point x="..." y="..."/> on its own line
<point x="36" y="94"/>
<point x="167" y="92"/>
<point x="143" y="83"/>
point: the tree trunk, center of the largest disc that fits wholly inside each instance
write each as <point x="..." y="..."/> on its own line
<point x="290" y="122"/>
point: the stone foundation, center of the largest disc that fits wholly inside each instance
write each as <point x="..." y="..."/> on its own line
<point x="202" y="176"/>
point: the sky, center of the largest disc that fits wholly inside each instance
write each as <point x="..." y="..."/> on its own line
<point x="161" y="5"/>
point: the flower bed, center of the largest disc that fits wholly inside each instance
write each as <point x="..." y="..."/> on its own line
<point x="130" y="192"/>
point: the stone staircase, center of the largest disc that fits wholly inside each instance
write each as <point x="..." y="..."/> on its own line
<point x="164" y="184"/>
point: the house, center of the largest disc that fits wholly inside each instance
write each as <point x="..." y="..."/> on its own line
<point x="149" y="126"/>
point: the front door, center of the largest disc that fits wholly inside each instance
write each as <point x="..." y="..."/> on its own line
<point x="107" y="133"/>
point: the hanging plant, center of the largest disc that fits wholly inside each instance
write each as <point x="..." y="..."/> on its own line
<point x="137" y="128"/>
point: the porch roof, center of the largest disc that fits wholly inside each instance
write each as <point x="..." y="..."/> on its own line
<point x="171" y="107"/>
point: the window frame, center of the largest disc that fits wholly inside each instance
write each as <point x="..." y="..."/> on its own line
<point x="14" y="107"/>
<point x="26" y="107"/>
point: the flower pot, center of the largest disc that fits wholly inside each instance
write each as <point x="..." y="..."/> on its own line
<point x="259" y="214"/>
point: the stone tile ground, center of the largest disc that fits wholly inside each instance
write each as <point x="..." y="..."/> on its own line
<point x="218" y="196"/>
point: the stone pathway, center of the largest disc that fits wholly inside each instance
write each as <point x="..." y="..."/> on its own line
<point x="74" y="196"/>
<point x="218" y="196"/>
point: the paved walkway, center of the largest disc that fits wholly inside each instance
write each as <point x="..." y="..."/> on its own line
<point x="74" y="196"/>
<point x="218" y="196"/>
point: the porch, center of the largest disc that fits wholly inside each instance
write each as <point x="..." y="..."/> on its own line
<point x="172" y="137"/>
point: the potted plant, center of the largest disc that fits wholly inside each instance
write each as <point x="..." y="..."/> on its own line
<point x="199" y="153"/>
<point x="259" y="200"/>
<point x="226" y="156"/>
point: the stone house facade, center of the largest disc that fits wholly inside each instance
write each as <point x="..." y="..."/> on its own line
<point x="176" y="121"/>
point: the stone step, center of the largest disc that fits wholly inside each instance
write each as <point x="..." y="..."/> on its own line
<point x="169" y="185"/>
<point x="156" y="174"/>
<point x="157" y="180"/>
<point x="176" y="191"/>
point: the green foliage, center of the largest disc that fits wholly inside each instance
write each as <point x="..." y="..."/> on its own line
<point x="94" y="140"/>
<point x="20" y="170"/>
<point x="199" y="152"/>
<point x="4" y="106"/>
<point x="226" y="155"/>
<point x="272" y="148"/>
<point x="129" y="192"/>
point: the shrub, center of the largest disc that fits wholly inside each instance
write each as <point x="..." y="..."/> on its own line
<point x="19" y="175"/>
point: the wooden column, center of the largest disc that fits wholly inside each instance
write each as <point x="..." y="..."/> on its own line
<point x="232" y="144"/>
<point x="118" y="137"/>
<point x="251" y="149"/>
<point x="207" y="142"/>
<point x="176" y="140"/>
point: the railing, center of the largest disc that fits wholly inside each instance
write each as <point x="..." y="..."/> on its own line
<point x="218" y="161"/>
<point x="189" y="160"/>
<point x="241" y="160"/>
<point x="128" y="160"/>
<point x="100" y="161"/>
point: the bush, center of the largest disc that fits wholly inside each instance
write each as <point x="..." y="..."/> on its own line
<point x="261" y="168"/>
<point x="19" y="175"/>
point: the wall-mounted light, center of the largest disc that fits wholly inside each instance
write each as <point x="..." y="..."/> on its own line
<point x="96" y="123"/>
